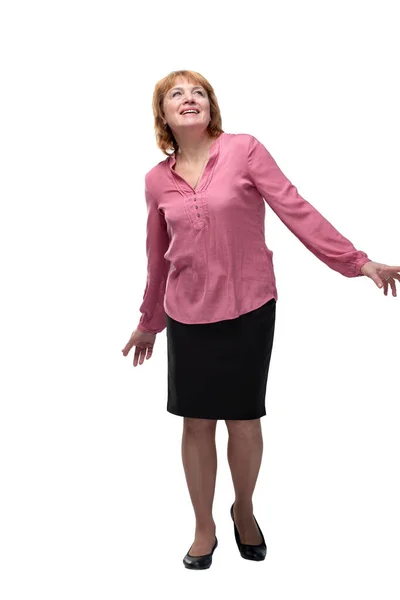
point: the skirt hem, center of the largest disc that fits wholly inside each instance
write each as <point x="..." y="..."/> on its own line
<point x="216" y="418"/>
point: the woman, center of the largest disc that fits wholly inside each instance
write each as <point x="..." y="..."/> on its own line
<point x="211" y="284"/>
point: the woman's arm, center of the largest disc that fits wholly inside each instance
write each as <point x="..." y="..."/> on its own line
<point x="316" y="233"/>
<point x="157" y="242"/>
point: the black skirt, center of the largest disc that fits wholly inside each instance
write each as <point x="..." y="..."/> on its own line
<point x="220" y="370"/>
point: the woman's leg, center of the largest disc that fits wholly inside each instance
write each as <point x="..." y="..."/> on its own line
<point x="245" y="448"/>
<point x="199" y="457"/>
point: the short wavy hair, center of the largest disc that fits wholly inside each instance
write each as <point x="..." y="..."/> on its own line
<point x="164" y="137"/>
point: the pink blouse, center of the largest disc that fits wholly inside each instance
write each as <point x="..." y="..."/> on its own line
<point x="207" y="259"/>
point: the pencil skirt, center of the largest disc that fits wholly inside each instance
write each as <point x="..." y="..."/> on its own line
<point x="220" y="370"/>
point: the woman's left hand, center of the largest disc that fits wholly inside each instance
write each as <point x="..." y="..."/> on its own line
<point x="382" y="275"/>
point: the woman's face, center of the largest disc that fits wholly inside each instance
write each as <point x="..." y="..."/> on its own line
<point x="184" y="96"/>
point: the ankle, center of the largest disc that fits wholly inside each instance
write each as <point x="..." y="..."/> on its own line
<point x="243" y="507"/>
<point x="205" y="527"/>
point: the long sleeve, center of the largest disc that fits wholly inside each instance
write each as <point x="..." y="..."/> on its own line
<point x="316" y="233"/>
<point x="157" y="241"/>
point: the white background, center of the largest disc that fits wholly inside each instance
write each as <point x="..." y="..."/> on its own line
<point x="94" y="502"/>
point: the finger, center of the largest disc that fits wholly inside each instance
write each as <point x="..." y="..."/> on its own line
<point x="142" y="355"/>
<point x="388" y="269"/>
<point x="149" y="353"/>
<point x="125" y="350"/>
<point x="385" y="287"/>
<point x="389" y="281"/>
<point x="136" y="356"/>
<point x="128" y="345"/>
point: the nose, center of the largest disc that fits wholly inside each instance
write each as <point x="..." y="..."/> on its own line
<point x="189" y="96"/>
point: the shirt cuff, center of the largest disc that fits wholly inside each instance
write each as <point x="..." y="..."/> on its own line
<point x="143" y="329"/>
<point x="358" y="264"/>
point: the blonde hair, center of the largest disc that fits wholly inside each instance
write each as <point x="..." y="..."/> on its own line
<point x="164" y="137"/>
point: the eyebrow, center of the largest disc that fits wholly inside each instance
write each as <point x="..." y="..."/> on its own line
<point x="181" y="88"/>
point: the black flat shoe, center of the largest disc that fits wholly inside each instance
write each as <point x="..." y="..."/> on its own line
<point x="199" y="562"/>
<point x="251" y="552"/>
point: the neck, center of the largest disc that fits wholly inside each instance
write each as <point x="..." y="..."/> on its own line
<point x="193" y="147"/>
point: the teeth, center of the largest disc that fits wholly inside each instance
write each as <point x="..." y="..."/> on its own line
<point x="189" y="111"/>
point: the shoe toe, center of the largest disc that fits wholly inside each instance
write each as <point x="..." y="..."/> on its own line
<point x="199" y="562"/>
<point x="253" y="552"/>
<point x="248" y="551"/>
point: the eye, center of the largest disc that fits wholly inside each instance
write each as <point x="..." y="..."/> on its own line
<point x="198" y="91"/>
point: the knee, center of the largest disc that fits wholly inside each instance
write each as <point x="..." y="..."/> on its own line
<point x="244" y="428"/>
<point x="199" y="426"/>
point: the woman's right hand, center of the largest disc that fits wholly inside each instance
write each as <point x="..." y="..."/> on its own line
<point x="144" y="342"/>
